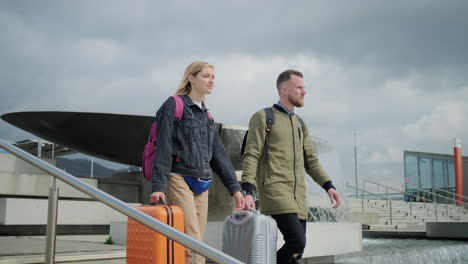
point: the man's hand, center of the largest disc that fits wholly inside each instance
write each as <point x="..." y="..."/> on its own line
<point x="157" y="197"/>
<point x="335" y="197"/>
<point x="249" y="202"/>
<point x="239" y="201"/>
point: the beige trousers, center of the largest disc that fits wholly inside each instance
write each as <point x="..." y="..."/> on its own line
<point x="195" y="208"/>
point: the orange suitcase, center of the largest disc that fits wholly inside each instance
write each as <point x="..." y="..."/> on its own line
<point x="145" y="245"/>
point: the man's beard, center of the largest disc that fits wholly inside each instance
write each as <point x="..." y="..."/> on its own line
<point x="296" y="102"/>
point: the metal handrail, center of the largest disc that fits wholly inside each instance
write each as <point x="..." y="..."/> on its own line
<point x="435" y="202"/>
<point x="376" y="183"/>
<point x="387" y="187"/>
<point x="391" y="196"/>
<point x="362" y="200"/>
<point x="122" y="207"/>
<point x="455" y="194"/>
<point x="424" y="199"/>
<point x="407" y="193"/>
<point x="398" y="191"/>
<point x="435" y="194"/>
<point x="394" y="189"/>
<point x="415" y="189"/>
<point x="359" y="189"/>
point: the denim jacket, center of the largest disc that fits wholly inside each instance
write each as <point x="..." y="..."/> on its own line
<point x="190" y="147"/>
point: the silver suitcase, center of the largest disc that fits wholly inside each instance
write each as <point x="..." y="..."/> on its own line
<point x="250" y="237"/>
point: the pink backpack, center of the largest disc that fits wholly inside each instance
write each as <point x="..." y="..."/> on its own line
<point x="150" y="147"/>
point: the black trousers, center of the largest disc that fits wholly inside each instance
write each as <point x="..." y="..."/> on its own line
<point x="293" y="230"/>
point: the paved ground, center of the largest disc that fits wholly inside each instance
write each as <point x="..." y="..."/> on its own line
<point x="69" y="249"/>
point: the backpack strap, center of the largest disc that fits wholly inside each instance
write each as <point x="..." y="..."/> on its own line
<point x="179" y="107"/>
<point x="152" y="134"/>
<point x="244" y="142"/>
<point x="270" y="121"/>
<point x="302" y="124"/>
<point x="207" y="112"/>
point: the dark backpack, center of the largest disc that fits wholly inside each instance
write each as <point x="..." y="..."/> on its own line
<point x="270" y="121"/>
<point x="150" y="146"/>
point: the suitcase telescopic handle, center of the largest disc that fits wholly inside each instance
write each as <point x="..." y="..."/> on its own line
<point x="244" y="212"/>
<point x="161" y="202"/>
<point x="239" y="217"/>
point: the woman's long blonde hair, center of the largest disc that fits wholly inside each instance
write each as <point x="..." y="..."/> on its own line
<point x="193" y="69"/>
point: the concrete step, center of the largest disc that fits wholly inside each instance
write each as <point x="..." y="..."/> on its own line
<point x="31" y="249"/>
<point x="416" y="216"/>
<point x="387" y="219"/>
<point x="102" y="256"/>
<point x="104" y="261"/>
<point x="442" y="214"/>
<point x="420" y="212"/>
<point x="398" y="203"/>
<point x="440" y="210"/>
<point x="396" y="226"/>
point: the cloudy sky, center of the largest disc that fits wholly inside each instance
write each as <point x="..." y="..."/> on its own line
<point x="395" y="72"/>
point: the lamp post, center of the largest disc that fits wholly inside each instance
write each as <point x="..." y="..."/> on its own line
<point x="355" y="165"/>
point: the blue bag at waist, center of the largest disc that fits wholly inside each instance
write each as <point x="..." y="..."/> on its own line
<point x="197" y="185"/>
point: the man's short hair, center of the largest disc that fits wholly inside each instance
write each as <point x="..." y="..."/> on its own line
<point x="286" y="76"/>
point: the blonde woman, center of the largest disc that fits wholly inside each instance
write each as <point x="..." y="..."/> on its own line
<point x="186" y="152"/>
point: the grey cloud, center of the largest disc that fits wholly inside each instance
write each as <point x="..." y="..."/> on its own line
<point x="400" y="35"/>
<point x="370" y="66"/>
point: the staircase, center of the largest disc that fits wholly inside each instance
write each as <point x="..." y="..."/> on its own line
<point x="415" y="218"/>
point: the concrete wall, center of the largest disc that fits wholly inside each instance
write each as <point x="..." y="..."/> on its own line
<point x="38" y="185"/>
<point x="129" y="193"/>
<point x="7" y="162"/>
<point x="20" y="178"/>
<point x="323" y="239"/>
<point x="27" y="188"/>
<point x="326" y="239"/>
<point x="447" y="230"/>
<point x="130" y="187"/>
<point x="18" y="211"/>
<point x="369" y="218"/>
<point x="10" y="163"/>
<point x="220" y="202"/>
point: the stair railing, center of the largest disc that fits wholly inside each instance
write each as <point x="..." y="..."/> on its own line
<point x="377" y="195"/>
<point x="111" y="201"/>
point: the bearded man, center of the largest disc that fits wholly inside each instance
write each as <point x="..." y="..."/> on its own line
<point x="278" y="152"/>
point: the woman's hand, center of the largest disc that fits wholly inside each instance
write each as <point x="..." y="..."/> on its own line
<point x="239" y="201"/>
<point x="157" y="197"/>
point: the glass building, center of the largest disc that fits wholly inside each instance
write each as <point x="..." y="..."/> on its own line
<point x="433" y="173"/>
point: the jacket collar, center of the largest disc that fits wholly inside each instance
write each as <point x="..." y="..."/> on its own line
<point x="283" y="108"/>
<point x="189" y="102"/>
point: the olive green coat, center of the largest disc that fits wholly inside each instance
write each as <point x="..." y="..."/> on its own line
<point x="279" y="174"/>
